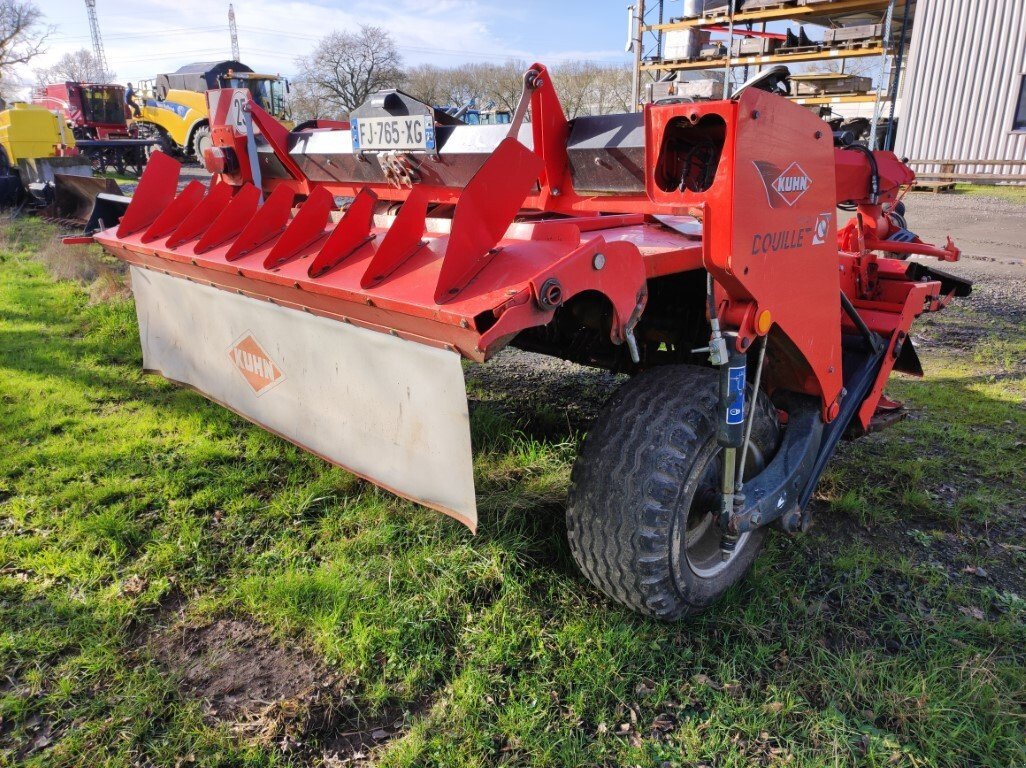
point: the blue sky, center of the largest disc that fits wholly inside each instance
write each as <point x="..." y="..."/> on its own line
<point x="145" y="37"/>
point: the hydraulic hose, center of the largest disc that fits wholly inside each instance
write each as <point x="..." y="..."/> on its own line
<point x="874" y="170"/>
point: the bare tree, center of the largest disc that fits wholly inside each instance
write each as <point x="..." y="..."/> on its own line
<point x="346" y="68"/>
<point x="578" y="86"/>
<point x="502" y="84"/>
<point x="22" y="34"/>
<point x="439" y="86"/>
<point x="867" y="67"/>
<point x="306" y="102"/>
<point x="585" y="88"/>
<point x="613" y="88"/>
<point x="81" y="66"/>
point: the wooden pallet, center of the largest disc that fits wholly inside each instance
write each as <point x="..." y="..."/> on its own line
<point x="937" y="187"/>
<point x="851" y="45"/>
<point x="768" y="6"/>
<point x="801" y="49"/>
<point x="830" y="95"/>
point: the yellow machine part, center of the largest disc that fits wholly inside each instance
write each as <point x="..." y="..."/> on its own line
<point x="178" y="114"/>
<point x="28" y="131"/>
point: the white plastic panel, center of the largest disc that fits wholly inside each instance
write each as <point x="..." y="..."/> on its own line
<point x="389" y="410"/>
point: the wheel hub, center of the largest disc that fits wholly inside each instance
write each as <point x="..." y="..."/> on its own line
<point x="703" y="535"/>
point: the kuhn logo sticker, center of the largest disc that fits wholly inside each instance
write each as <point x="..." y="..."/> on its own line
<point x="255" y="365"/>
<point x="783" y="187"/>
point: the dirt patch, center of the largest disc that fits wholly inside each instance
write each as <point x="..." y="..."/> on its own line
<point x="548" y="398"/>
<point x="278" y="695"/>
<point x="39" y="733"/>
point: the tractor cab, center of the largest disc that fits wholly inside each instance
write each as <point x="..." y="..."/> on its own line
<point x="174" y="108"/>
<point x="268" y="91"/>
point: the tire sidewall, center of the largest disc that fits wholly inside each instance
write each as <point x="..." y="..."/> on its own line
<point x="200" y="141"/>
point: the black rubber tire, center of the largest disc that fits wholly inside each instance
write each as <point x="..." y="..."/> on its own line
<point x="98" y="158"/>
<point x="11" y="190"/>
<point x="200" y="140"/>
<point x="633" y="485"/>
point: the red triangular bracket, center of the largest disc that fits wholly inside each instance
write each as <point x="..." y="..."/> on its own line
<point x="484" y="212"/>
<point x="202" y="216"/>
<point x="352" y="232"/>
<point x="232" y="219"/>
<point x="401" y="241"/>
<point x="176" y="212"/>
<point x="156" y="190"/>
<point x="268" y="221"/>
<point x="304" y="230"/>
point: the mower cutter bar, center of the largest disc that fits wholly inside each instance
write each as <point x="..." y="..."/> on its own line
<point x="237" y="299"/>
<point x="467" y="284"/>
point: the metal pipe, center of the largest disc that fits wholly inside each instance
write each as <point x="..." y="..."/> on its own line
<point x="849" y="309"/>
<point x="639" y="18"/>
<point x="896" y="79"/>
<point x="727" y="485"/>
<point x="751" y="416"/>
<point x="659" y="32"/>
<point x="888" y="19"/>
<point x="251" y="151"/>
<point x="730" y="46"/>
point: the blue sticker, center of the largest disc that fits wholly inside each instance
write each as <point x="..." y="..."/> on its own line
<point x="736" y="403"/>
<point x="171" y="106"/>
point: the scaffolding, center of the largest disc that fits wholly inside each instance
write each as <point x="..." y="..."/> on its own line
<point x="825" y="13"/>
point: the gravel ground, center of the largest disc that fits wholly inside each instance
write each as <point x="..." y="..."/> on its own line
<point x="992" y="235"/>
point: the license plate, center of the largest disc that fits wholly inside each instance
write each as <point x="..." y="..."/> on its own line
<point x="383" y="134"/>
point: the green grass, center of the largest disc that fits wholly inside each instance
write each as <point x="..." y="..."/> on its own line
<point x="1015" y="194"/>
<point x="120" y="492"/>
<point x="119" y="178"/>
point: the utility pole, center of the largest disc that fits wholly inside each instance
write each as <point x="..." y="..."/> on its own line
<point x="881" y="82"/>
<point x="94" y="30"/>
<point x="635" y="34"/>
<point x="233" y="30"/>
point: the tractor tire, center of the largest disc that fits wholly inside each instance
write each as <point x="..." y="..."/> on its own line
<point x="643" y="507"/>
<point x="200" y="141"/>
<point x="98" y="159"/>
<point x="11" y="190"/>
<point x="164" y="143"/>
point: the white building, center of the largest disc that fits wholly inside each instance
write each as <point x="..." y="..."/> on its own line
<point x="964" y="90"/>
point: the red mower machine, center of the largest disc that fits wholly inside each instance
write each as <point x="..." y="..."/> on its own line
<point x="696" y="246"/>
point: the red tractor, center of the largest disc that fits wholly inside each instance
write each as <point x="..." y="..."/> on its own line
<point x="99" y="118"/>
<point x="699" y="247"/>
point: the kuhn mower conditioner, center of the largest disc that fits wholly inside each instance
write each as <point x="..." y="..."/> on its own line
<point x="328" y="282"/>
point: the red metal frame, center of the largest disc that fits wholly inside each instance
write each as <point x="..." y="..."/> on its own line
<point x="770" y="238"/>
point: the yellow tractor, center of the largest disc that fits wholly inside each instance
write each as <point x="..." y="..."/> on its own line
<point x="37" y="151"/>
<point x="174" y="106"/>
